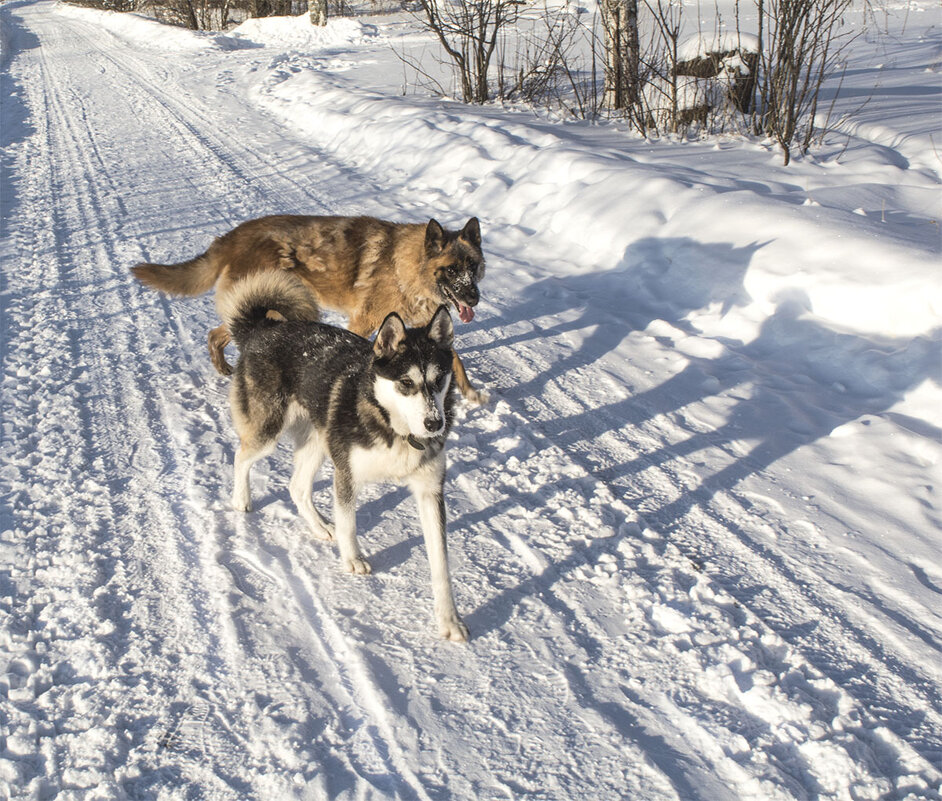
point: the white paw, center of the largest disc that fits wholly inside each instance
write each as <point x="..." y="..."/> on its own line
<point x="451" y="628"/>
<point x="241" y="503"/>
<point x="357" y="565"/>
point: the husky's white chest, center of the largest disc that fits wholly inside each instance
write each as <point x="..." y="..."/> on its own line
<point x="381" y="463"/>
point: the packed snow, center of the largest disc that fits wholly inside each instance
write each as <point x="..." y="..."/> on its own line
<point x="695" y="535"/>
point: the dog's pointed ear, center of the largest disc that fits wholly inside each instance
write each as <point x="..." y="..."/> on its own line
<point x="434" y="238"/>
<point x="441" y="330"/>
<point x="472" y="232"/>
<point x="389" y="338"/>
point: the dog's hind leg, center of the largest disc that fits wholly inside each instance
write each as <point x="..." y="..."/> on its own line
<point x="258" y="425"/>
<point x="250" y="451"/>
<point x="309" y="455"/>
<point x="218" y="339"/>
<point x="478" y="396"/>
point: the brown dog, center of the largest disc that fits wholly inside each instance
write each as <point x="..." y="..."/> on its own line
<point x="362" y="267"/>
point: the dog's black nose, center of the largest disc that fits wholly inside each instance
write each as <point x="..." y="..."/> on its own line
<point x="433" y="423"/>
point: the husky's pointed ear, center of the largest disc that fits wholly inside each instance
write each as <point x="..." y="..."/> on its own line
<point x="472" y="232"/>
<point x="434" y="238"/>
<point x="440" y="330"/>
<point x="390" y="337"/>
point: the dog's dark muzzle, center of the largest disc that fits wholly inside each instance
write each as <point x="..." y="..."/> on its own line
<point x="464" y="295"/>
<point x="469" y="296"/>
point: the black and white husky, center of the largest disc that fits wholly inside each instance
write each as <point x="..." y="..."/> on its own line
<point x="380" y="410"/>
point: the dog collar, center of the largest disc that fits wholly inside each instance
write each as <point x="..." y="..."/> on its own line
<point x="421" y="445"/>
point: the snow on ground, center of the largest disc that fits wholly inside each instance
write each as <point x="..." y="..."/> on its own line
<point x="695" y="536"/>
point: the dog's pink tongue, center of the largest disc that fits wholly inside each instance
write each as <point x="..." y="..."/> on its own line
<point x="466" y="313"/>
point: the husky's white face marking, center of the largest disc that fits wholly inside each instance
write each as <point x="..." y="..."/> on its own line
<point x="439" y="387"/>
<point x="415" y="401"/>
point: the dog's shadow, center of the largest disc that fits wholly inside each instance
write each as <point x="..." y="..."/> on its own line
<point x="369" y="516"/>
<point x="656" y="279"/>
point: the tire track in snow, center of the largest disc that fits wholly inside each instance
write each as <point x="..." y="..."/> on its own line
<point x="61" y="425"/>
<point x="356" y="686"/>
<point x="85" y="300"/>
<point x="177" y="579"/>
<point x="263" y="181"/>
<point x="108" y="450"/>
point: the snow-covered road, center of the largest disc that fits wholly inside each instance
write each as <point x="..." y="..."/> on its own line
<point x="643" y="555"/>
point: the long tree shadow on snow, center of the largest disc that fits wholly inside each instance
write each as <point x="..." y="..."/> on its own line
<point x="794" y="384"/>
<point x="791" y="386"/>
<point x="799" y="382"/>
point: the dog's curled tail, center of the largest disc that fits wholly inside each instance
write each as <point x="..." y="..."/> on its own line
<point x="265" y="296"/>
<point x="193" y="277"/>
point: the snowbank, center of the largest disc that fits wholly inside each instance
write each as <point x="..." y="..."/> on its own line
<point x="601" y="202"/>
<point x="145" y="31"/>
<point x="288" y="33"/>
<point x="297" y="33"/>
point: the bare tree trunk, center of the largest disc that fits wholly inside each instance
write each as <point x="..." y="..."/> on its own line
<point x="633" y="53"/>
<point x="318" y="12"/>
<point x="757" y="90"/>
<point x="190" y="15"/>
<point x="623" y="56"/>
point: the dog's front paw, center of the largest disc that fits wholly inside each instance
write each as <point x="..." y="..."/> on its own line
<point x="451" y="628"/>
<point x="357" y="565"/>
<point x="241" y="503"/>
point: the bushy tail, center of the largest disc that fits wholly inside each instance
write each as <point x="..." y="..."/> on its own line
<point x="193" y="277"/>
<point x="265" y="296"/>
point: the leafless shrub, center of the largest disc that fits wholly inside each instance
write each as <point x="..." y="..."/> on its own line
<point x="662" y="96"/>
<point x="469" y="31"/>
<point x="802" y="41"/>
<point x="198" y="15"/>
<point x="106" y="5"/>
<point x="699" y="82"/>
<point x="554" y="63"/>
<point x="213" y="15"/>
